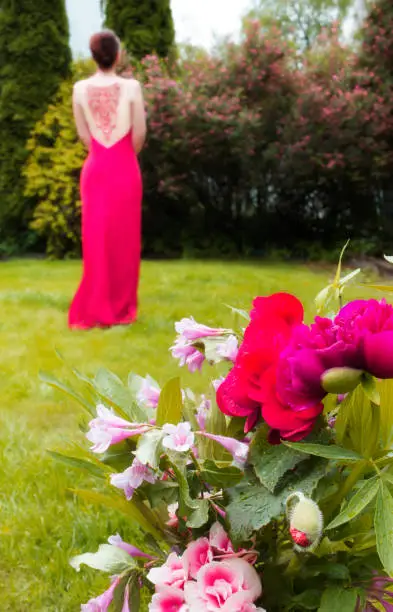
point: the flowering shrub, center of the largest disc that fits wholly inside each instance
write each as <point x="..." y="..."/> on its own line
<point x="245" y="151"/>
<point x="272" y="491"/>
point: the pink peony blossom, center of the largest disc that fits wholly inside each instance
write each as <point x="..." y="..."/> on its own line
<point x="108" y="429"/>
<point x="187" y="355"/>
<point x="238" y="450"/>
<point x="168" y="599"/>
<point x="198" y="553"/>
<point x="132" y="478"/>
<point x="228" y="586"/>
<point x="368" y="324"/>
<point x="229" y="349"/>
<point x="189" y="329"/>
<point x="172" y="573"/>
<point x="102" y="602"/>
<point x="179" y="437"/>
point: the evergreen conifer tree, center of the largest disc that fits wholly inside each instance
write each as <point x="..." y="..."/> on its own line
<point x="144" y="26"/>
<point x="34" y="58"/>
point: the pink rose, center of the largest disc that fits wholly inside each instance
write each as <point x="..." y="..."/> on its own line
<point x="228" y="586"/>
<point x="172" y="573"/>
<point x="168" y="599"/>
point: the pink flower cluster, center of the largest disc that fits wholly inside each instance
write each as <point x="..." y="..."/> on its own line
<point x="108" y="429"/>
<point x="209" y="576"/>
<point x="192" y="334"/>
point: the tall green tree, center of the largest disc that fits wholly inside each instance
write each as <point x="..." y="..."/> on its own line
<point x="301" y="20"/>
<point x="144" y="26"/>
<point x="34" y="58"/>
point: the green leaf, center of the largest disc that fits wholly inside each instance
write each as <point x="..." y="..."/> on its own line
<point x="196" y="510"/>
<point x="239" y="311"/>
<point x="112" y="389"/>
<point x="135" y="595"/>
<point x="128" y="508"/>
<point x="365" y="494"/>
<point x="76" y="462"/>
<point x="186" y="503"/>
<point x="271" y="463"/>
<point x="220" y="474"/>
<point x="331" y="451"/>
<point x="252" y="506"/>
<point x="308" y="600"/>
<point x="346" y="279"/>
<point x="387" y="477"/>
<point x="385" y="388"/>
<point x="370" y="389"/>
<point x="338" y="271"/>
<point x="200" y="516"/>
<point x="149" y="447"/>
<point x="324" y="298"/>
<point x="383" y="523"/>
<point x="338" y="599"/>
<point x="53" y="382"/>
<point x="170" y="404"/>
<point x="384" y="288"/>
<point x="118" y="456"/>
<point x="354" y="422"/>
<point x="162" y="493"/>
<point x="108" y="558"/>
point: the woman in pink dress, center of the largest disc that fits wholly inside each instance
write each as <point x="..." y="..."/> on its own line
<point x="110" y="119"/>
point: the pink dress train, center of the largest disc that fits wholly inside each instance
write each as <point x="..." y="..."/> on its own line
<point x="111" y="190"/>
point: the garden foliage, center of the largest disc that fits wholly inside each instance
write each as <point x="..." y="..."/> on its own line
<point x="35" y="58"/>
<point x="249" y="151"/>
<point x="270" y="492"/>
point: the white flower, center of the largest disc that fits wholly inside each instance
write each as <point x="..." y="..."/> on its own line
<point x="229" y="349"/>
<point x="179" y="437"/>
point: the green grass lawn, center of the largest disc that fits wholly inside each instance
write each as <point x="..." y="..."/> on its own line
<point x="41" y="525"/>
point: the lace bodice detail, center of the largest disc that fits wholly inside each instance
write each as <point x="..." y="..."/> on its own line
<point x="107" y="106"/>
<point x="103" y="103"/>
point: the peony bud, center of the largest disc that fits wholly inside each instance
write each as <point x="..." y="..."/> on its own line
<point x="341" y="380"/>
<point x="305" y="521"/>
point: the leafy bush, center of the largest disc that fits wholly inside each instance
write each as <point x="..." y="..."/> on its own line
<point x="247" y="152"/>
<point x="53" y="170"/>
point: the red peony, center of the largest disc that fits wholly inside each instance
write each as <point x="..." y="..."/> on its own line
<point x="250" y="389"/>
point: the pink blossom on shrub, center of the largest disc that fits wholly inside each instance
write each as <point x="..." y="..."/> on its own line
<point x="132" y="478"/>
<point x="108" y="429"/>
<point x="179" y="437"/>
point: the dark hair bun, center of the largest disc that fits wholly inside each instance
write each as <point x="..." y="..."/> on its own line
<point x="104" y="48"/>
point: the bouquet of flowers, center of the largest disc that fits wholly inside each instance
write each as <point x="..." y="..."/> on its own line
<point x="273" y="490"/>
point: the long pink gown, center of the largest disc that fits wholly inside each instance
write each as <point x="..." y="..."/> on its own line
<point x="111" y="191"/>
